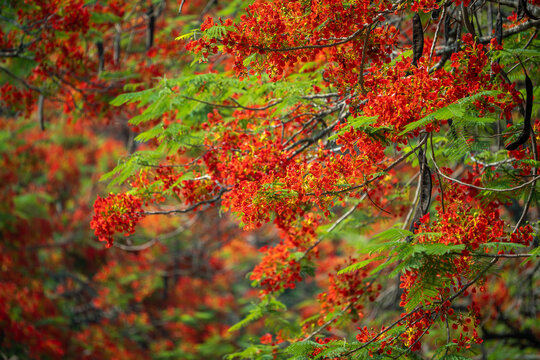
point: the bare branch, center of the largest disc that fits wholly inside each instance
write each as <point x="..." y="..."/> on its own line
<point x="190" y="208"/>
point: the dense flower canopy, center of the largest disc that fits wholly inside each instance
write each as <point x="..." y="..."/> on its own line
<point x="283" y="179"/>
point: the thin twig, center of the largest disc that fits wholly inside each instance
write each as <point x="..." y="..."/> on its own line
<point x="438" y="177"/>
<point x="326" y="324"/>
<point x="533" y="185"/>
<point x="476" y="278"/>
<point x="265" y="107"/>
<point x="484" y="188"/>
<point x="41" y="118"/>
<point x="305" y="47"/>
<point x="388" y="168"/>
<point x="382" y="332"/>
<point x="155" y="240"/>
<point x="361" y="72"/>
<point x="22" y="81"/>
<point x="237" y="106"/>
<point x="437" y="33"/>
<point x="507" y="256"/>
<point x="181" y="6"/>
<point x="334" y="225"/>
<point x="190" y="208"/>
<point x="486" y="39"/>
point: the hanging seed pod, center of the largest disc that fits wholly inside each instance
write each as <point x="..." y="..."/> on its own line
<point x="116" y="44"/>
<point x="418" y="39"/>
<point x="499" y="29"/>
<point x="435" y="14"/>
<point x="522" y="10"/>
<point x="526" y="132"/>
<point x="425" y="191"/>
<point x="466" y="20"/>
<point x="457" y="46"/>
<point x="101" y="59"/>
<point x="425" y="186"/>
<point x="447" y="29"/>
<point x="41" y="99"/>
<point x="151" y="27"/>
<point x="424" y="198"/>
<point x="499" y="37"/>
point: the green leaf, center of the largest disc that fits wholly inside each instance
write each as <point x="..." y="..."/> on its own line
<point x="401" y="56"/>
<point x="454" y="357"/>
<point x="359" y="265"/>
<point x="269" y="305"/>
<point x="253" y="316"/>
<point x="150" y="134"/>
<point x="253" y="352"/>
<point x="101" y="18"/>
<point x="188" y="35"/>
<point x="437" y="249"/>
<point x="131" y="97"/>
<point x="217" y="31"/>
<point x="524" y="52"/>
<point x="469" y="120"/>
<point x="393" y="234"/>
<point x="249" y="59"/>
<point x="30" y="206"/>
<point x="355" y="123"/>
<point x="155" y="110"/>
<point x="332" y="352"/>
<point x="302" y="349"/>
<point x="502" y="245"/>
<point x="131" y="165"/>
<point x="456" y="110"/>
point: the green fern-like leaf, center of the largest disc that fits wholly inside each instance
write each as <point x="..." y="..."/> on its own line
<point x="358" y="265"/>
<point x="454" y="357"/>
<point x="359" y="122"/>
<point x="131" y="165"/>
<point x="128" y="98"/>
<point x="253" y="316"/>
<point x="331" y="352"/>
<point x="302" y="349"/>
<point x="253" y="352"/>
<point x="456" y="110"/>
<point x="269" y="305"/>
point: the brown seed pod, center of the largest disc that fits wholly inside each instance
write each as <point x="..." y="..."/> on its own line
<point x="424" y="199"/>
<point x="447" y="29"/>
<point x="418" y="39"/>
<point x="101" y="59"/>
<point x="151" y="27"/>
<point x="527" y="127"/>
<point x="522" y="10"/>
<point x="499" y="29"/>
<point x="425" y="191"/>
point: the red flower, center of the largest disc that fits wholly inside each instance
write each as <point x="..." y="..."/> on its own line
<point x="116" y="213"/>
<point x="266" y="339"/>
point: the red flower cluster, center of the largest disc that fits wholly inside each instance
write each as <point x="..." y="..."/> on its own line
<point x="116" y="214"/>
<point x="303" y="26"/>
<point x="348" y="288"/>
<point x="466" y="222"/>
